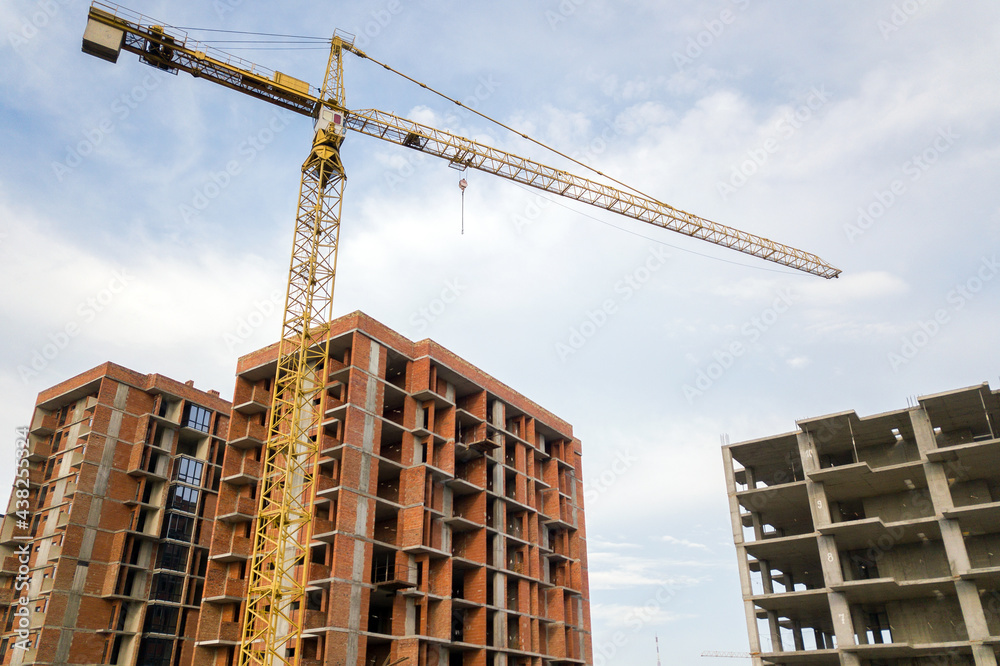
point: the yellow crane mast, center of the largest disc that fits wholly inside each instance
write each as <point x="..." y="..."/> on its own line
<point x="275" y="605"/>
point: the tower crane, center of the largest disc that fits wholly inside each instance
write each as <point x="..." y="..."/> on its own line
<point x="272" y="621"/>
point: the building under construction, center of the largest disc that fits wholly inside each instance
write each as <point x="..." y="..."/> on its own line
<point x="448" y="523"/>
<point x="107" y="563"/>
<point x="873" y="540"/>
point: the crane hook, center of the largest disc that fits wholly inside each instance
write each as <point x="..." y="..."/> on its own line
<point x="462" y="184"/>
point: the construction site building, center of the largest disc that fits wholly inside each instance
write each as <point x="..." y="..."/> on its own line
<point x="875" y="540"/>
<point x="107" y="563"/>
<point x="448" y="526"/>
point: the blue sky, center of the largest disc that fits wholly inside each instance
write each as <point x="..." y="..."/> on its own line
<point x="864" y="132"/>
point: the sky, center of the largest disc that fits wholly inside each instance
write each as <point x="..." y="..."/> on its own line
<point x="146" y="219"/>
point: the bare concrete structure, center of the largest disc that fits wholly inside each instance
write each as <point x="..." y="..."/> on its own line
<point x="873" y="540"/>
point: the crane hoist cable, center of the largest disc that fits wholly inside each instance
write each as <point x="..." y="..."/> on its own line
<point x="679" y="248"/>
<point x="463" y="183"/>
<point x="362" y="54"/>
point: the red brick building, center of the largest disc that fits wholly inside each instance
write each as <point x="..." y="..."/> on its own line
<point x="448" y="525"/>
<point x="122" y="477"/>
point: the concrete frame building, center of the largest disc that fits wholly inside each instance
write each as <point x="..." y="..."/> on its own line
<point x="875" y="540"/>
<point x="448" y="526"/>
<point x="115" y="544"/>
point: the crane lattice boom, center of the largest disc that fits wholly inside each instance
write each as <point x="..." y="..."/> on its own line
<point x="468" y="153"/>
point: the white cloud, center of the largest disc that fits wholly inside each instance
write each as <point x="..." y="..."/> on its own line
<point x="855" y="287"/>
<point x="619" y="616"/>
<point x="799" y="362"/>
<point x="682" y="542"/>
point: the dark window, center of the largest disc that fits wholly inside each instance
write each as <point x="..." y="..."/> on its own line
<point x="167" y="588"/>
<point x="196" y="417"/>
<point x="183" y="498"/>
<point x="194" y="592"/>
<point x="161" y="619"/>
<point x="189" y="471"/>
<point x="116" y="648"/>
<point x="173" y="556"/>
<point x="155" y="652"/>
<point x="122" y="616"/>
<point x="201" y="558"/>
<point x="179" y="527"/>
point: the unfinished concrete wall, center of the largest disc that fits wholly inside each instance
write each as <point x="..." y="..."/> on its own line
<point x="852" y="533"/>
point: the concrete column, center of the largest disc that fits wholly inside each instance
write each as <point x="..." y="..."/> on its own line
<point x="843" y="624"/>
<point x="741" y="555"/>
<point x="797" y="636"/>
<point x="819" y="506"/>
<point x="765" y="575"/>
<point x="758" y="527"/>
<point x="860" y="625"/>
<point x="954" y="544"/>
<point x="772" y="625"/>
<point x="937" y="480"/>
